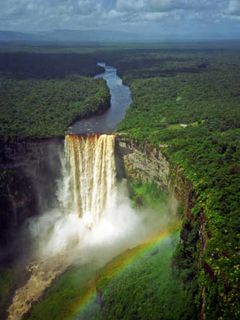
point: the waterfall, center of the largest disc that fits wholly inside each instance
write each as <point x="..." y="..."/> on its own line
<point x="89" y="175"/>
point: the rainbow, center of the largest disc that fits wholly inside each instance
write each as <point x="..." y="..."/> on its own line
<point x="117" y="266"/>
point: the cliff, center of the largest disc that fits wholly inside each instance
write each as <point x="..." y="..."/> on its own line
<point x="29" y="171"/>
<point x="142" y="162"/>
<point x="145" y="163"/>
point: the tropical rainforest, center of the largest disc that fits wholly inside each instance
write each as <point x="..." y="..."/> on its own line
<point x="45" y="108"/>
<point x="190" y="105"/>
<point x="186" y="102"/>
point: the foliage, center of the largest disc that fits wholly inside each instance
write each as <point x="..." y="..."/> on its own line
<point x="62" y="299"/>
<point x="7" y="283"/>
<point x="148" y="195"/>
<point x="187" y="100"/>
<point x="45" y="108"/>
<point x="196" y="115"/>
<point x="145" y="288"/>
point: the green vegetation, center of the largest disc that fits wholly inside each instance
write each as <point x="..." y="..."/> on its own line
<point x="187" y="100"/>
<point x="143" y="289"/>
<point x="148" y="195"/>
<point x="42" y="91"/>
<point x="151" y="275"/>
<point x="63" y="298"/>
<point x="7" y="283"/>
<point x="45" y="108"/>
<point x="200" y="89"/>
<point x="146" y="288"/>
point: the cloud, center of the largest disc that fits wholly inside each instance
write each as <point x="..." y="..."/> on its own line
<point x="146" y="6"/>
<point x="127" y="15"/>
<point x="234" y="7"/>
<point x="163" y="5"/>
<point x="42" y="14"/>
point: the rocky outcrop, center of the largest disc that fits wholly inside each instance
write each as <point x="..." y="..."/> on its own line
<point x="143" y="162"/>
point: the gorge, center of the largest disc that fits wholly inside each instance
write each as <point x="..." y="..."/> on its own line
<point x="148" y="230"/>
<point x="89" y="213"/>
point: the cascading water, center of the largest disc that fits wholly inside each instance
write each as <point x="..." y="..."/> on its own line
<point x="89" y="175"/>
<point x="93" y="222"/>
<point x="84" y="192"/>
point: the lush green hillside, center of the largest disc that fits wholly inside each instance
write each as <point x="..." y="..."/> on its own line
<point x="190" y="102"/>
<point x="144" y="289"/>
<point x="45" y="108"/>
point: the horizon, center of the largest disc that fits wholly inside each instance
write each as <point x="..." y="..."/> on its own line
<point x="160" y="19"/>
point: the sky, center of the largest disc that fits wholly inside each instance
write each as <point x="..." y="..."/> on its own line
<point x="163" y="18"/>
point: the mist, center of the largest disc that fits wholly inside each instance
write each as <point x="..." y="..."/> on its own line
<point x="121" y="227"/>
<point x="93" y="221"/>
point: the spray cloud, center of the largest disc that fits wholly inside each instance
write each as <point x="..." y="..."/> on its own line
<point x="93" y="222"/>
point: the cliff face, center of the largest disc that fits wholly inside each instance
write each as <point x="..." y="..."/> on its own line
<point x="144" y="163"/>
<point x="28" y="176"/>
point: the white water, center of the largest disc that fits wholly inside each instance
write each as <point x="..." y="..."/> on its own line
<point x="89" y="175"/>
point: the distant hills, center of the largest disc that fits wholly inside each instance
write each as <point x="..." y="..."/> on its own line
<point x="17" y="36"/>
<point x="77" y="36"/>
<point x="106" y="36"/>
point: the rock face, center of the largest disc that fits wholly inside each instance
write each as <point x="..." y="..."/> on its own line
<point x="29" y="171"/>
<point x="145" y="163"/>
<point x="142" y="162"/>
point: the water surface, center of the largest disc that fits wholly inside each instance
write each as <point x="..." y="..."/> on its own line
<point x="120" y="101"/>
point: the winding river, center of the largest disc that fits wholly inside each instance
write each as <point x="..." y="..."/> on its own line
<point x="120" y="101"/>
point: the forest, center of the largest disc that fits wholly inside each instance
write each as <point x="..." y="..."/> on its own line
<point x="186" y="101"/>
<point x="47" y="65"/>
<point x="192" y="110"/>
<point x="41" y="94"/>
<point x="40" y="108"/>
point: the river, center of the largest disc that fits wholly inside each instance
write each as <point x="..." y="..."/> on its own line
<point x="120" y="101"/>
